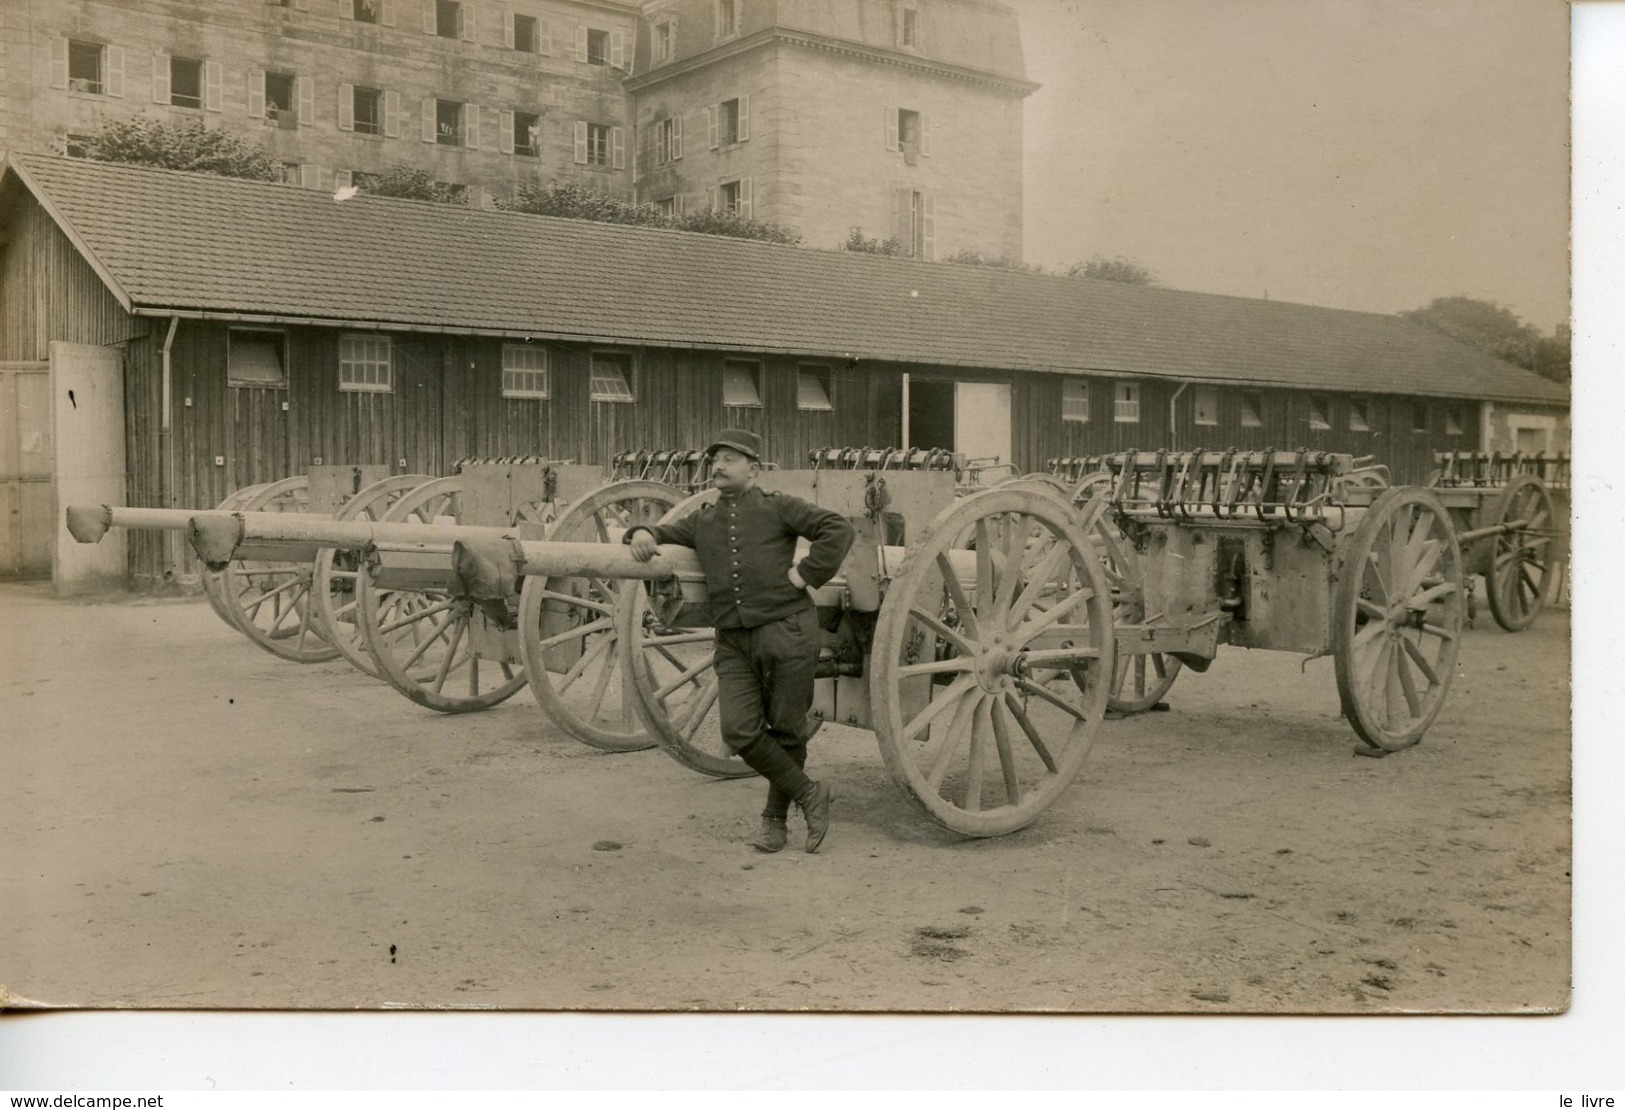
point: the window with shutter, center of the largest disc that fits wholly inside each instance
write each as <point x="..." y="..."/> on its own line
<point x="255" y="359"/>
<point x="713" y="132"/>
<point x="581" y="43"/>
<point x="1252" y="410"/>
<point x="611" y="379"/>
<point x="889" y="124"/>
<point x="1359" y="416"/>
<point x="86" y="70"/>
<point x="115" y="71"/>
<point x="665" y="41"/>
<point x="256" y="94"/>
<point x="213" y="86"/>
<point x="471" y="125"/>
<point x="1320" y="413"/>
<point x="524" y="371"/>
<point x="60" y="65"/>
<point x="281" y="105"/>
<point x="581" y="142"/>
<point x="676" y="138"/>
<point x="306" y="90"/>
<point x="741" y="384"/>
<point x="366" y="110"/>
<point x="617" y="148"/>
<point x="448" y="122"/>
<point x="525" y="35"/>
<point x="617" y="49"/>
<point x="160" y="78"/>
<point x="392" y="114"/>
<point x="598" y="46"/>
<point x="1075" y="400"/>
<point x="813" y="388"/>
<point x="527" y="134"/>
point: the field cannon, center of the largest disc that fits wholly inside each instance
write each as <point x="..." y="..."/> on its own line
<point x="1511" y="513"/>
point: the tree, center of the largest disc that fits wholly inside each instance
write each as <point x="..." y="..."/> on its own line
<point x="1496" y="330"/>
<point x="190" y="146"/>
<point x="411" y="184"/>
<point x="1119" y="269"/>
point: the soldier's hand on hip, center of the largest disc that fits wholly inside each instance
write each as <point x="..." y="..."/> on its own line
<point x="796" y="579"/>
<point x="643" y="545"/>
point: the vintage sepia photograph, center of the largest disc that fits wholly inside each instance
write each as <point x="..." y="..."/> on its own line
<point x="786" y="506"/>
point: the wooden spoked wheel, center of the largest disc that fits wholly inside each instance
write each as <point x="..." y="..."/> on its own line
<point x="337" y="603"/>
<point x="270" y="601"/>
<point x="1139" y="681"/>
<point x="567" y="625"/>
<point x="448" y="653"/>
<point x="210" y="579"/>
<point x="1527" y="562"/>
<point x="674" y="676"/>
<point x="1400" y="605"/>
<point x="986" y="670"/>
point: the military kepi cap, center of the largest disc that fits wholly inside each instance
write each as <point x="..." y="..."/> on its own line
<point x="740" y="439"/>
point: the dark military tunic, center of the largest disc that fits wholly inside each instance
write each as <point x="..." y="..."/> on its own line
<point x="746" y="543"/>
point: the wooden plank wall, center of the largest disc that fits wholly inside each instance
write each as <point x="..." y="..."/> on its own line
<point x="48" y="291"/>
<point x="1284" y="423"/>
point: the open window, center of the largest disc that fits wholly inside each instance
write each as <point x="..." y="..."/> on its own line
<point x="256" y="359"/>
<point x="612" y="377"/>
<point x="1075" y="400"/>
<point x="741" y="384"/>
<point x="813" y="392"/>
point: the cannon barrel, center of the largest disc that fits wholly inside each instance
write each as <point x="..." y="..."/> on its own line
<point x="219" y="538"/>
<point x="89" y="523"/>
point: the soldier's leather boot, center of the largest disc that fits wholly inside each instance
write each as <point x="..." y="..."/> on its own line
<point x="772" y="836"/>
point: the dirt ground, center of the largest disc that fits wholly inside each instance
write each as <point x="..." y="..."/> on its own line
<point x="191" y="822"/>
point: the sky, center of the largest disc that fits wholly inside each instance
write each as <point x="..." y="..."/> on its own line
<point x="1363" y="154"/>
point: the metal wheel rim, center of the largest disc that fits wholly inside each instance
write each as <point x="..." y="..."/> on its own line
<point x="999" y="723"/>
<point x="1400" y="610"/>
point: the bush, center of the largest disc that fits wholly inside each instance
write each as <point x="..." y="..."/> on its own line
<point x="1120" y="269"/>
<point x="971" y="257"/>
<point x="855" y="241"/>
<point x="412" y="184"/>
<point x="193" y="147"/>
<point x="577" y="202"/>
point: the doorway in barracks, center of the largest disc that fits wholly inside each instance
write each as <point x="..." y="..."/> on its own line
<point x="970" y="418"/>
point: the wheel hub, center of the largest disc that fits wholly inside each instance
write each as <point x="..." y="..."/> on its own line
<point x="996" y="664"/>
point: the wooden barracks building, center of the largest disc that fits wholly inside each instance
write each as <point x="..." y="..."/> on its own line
<point x="168" y="338"/>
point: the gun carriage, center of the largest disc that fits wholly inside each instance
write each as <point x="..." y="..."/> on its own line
<point x="980" y="635"/>
<point x="1511" y="512"/>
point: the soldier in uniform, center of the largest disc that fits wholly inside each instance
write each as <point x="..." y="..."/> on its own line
<point x="767" y="634"/>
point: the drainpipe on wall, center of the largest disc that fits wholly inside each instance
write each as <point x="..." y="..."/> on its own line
<point x="166" y="450"/>
<point x="1173" y="429"/>
<point x="905" y="412"/>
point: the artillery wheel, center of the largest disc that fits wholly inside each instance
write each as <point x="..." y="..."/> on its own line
<point x="210" y="579"/>
<point x="674" y="675"/>
<point x="1526" y="563"/>
<point x="429" y="644"/>
<point x="1139" y="681"/>
<point x="336" y="600"/>
<point x="568" y="624"/>
<point x="270" y="601"/>
<point x="1399" y="609"/>
<point x="962" y="685"/>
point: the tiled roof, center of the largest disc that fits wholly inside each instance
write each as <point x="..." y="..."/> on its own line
<point x="196" y="243"/>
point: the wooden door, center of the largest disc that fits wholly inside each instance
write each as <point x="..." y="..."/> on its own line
<point x="25" y="469"/>
<point x="87" y="421"/>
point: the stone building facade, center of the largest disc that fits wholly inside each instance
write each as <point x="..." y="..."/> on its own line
<point x="901" y="117"/>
